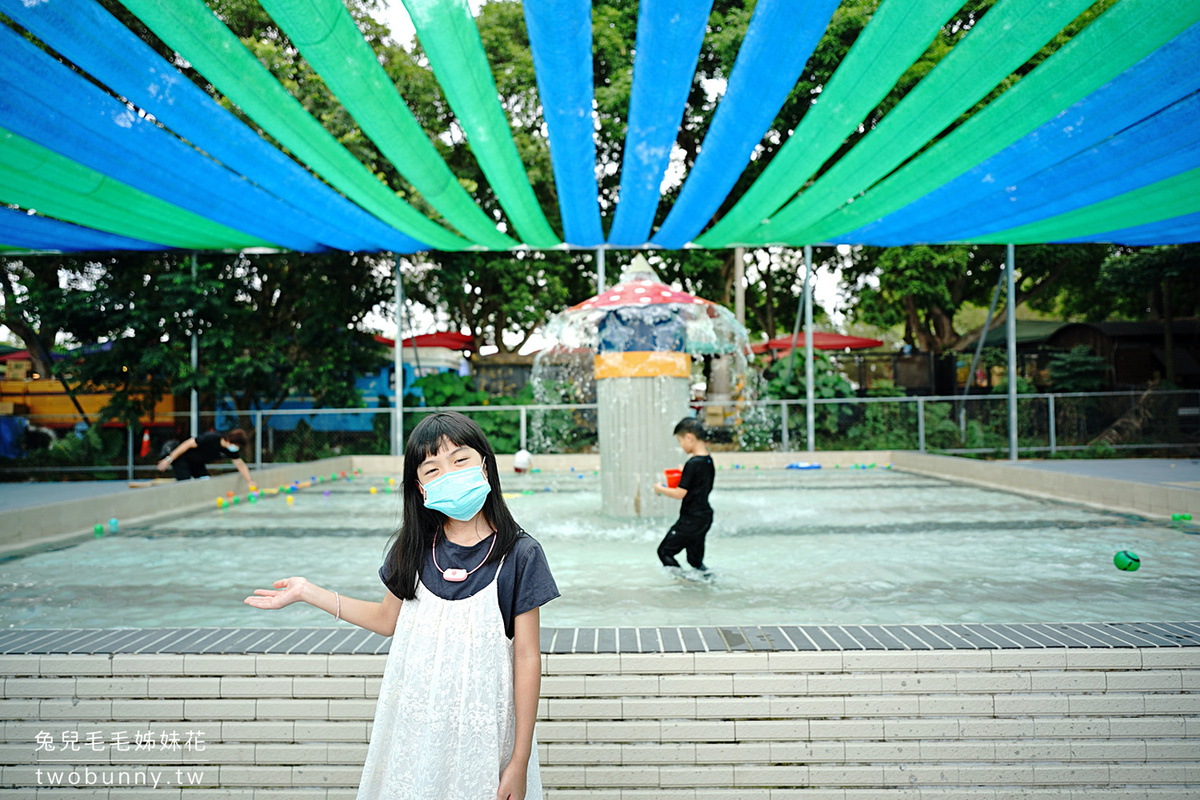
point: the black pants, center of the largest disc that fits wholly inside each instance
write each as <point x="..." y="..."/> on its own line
<point x="684" y="536"/>
<point x="187" y="468"/>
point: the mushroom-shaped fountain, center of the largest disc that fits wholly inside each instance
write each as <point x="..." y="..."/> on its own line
<point x="642" y="337"/>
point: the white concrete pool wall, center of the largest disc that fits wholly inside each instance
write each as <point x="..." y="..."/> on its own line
<point x="24" y="527"/>
<point x="862" y="725"/>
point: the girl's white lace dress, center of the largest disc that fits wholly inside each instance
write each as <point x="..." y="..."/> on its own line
<point x="445" y="721"/>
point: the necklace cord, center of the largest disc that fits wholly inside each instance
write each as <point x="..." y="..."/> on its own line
<point x="481" y="563"/>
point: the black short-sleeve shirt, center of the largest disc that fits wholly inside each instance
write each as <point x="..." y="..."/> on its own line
<point x="208" y="447"/>
<point x="524" y="584"/>
<point x="698" y="475"/>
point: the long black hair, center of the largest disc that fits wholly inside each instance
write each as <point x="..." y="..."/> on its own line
<point x="418" y="525"/>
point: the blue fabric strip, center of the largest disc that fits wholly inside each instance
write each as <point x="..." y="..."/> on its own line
<point x="1002" y="191"/>
<point x="31" y="232"/>
<point x="669" y="36"/>
<point x="560" y="38"/>
<point x="86" y="34"/>
<point x="44" y="101"/>
<point x="778" y="43"/>
<point x="1177" y="230"/>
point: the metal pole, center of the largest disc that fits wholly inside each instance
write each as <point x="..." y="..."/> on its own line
<point x="921" y="423"/>
<point x="809" y="393"/>
<point x="739" y="284"/>
<point x="398" y="368"/>
<point x="1053" y="437"/>
<point x="194" y="416"/>
<point x="523" y="428"/>
<point x="129" y="447"/>
<point x="783" y="442"/>
<point x="987" y="325"/>
<point x="600" y="281"/>
<point x="1011" y="300"/>
<point x="258" y="417"/>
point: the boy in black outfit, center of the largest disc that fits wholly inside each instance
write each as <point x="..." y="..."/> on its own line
<point x="695" y="514"/>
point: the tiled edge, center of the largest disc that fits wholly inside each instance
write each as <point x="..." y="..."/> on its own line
<point x="688" y="639"/>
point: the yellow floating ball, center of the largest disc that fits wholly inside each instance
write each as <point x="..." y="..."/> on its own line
<point x="290" y="500"/>
<point x="372" y="490"/>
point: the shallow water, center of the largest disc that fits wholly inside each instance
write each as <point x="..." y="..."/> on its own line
<point x="786" y="547"/>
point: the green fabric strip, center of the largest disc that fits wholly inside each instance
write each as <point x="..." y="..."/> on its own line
<point x="448" y="34"/>
<point x="1008" y="35"/>
<point x="36" y="178"/>
<point x="896" y="35"/>
<point x="1117" y="40"/>
<point x="1174" y="197"/>
<point x="193" y="31"/>
<point x="327" y="37"/>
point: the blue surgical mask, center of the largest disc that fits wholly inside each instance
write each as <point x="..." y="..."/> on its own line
<point x="233" y="448"/>
<point x="459" y="494"/>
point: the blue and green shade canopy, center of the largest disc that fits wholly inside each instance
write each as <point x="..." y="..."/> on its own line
<point x="1100" y="142"/>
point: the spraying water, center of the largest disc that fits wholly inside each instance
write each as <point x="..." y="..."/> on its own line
<point x="636" y="350"/>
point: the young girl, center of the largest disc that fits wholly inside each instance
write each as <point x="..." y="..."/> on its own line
<point x="460" y="688"/>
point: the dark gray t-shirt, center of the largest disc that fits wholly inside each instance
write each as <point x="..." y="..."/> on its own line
<point x="524" y="584"/>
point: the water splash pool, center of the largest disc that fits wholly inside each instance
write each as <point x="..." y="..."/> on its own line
<point x="787" y="547"/>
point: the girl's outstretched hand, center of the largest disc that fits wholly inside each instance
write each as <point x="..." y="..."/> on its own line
<point x="286" y="592"/>
<point x="512" y="782"/>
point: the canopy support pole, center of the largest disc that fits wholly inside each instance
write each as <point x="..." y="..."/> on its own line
<point x="398" y="367"/>
<point x="1011" y="299"/>
<point x="194" y="414"/>
<point x="739" y="284"/>
<point x="979" y="351"/>
<point x="600" y="281"/>
<point x="809" y="394"/>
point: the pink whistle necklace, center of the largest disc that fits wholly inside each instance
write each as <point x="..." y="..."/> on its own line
<point x="458" y="575"/>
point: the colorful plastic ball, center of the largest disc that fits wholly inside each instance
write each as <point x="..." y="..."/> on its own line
<point x="236" y="499"/>
<point x="290" y="500"/>
<point x="253" y="498"/>
<point x="98" y="529"/>
<point x="113" y="524"/>
<point x="391" y="481"/>
<point x="1127" y="560"/>
<point x="387" y="490"/>
<point x="327" y="493"/>
<point x="1181" y="517"/>
<point x="253" y="488"/>
<point x="229" y="495"/>
<point x="373" y="490"/>
<point x="547" y="488"/>
<point x="220" y="502"/>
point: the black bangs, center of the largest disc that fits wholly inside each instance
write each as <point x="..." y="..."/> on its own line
<point x="427" y="438"/>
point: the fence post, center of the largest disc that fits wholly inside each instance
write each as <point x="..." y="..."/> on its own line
<point x="129" y="445"/>
<point x="921" y="423"/>
<point x="784" y="442"/>
<point x="258" y="439"/>
<point x="1053" y="443"/>
<point x="523" y="424"/>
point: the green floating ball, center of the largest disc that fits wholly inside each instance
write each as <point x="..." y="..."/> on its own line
<point x="253" y="498"/>
<point x="1181" y="517"/>
<point x="98" y="530"/>
<point x="237" y="499"/>
<point x="1127" y="560"/>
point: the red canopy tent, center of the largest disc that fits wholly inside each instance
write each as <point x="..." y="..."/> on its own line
<point x="451" y="340"/>
<point x="821" y="341"/>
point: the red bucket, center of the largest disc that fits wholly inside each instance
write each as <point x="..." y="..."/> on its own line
<point x="673" y="477"/>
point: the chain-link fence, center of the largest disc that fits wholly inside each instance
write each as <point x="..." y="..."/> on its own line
<point x="1092" y="424"/>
